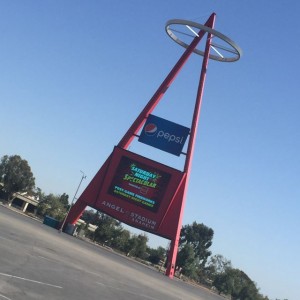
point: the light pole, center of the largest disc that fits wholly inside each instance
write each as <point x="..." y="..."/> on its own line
<point x="66" y="217"/>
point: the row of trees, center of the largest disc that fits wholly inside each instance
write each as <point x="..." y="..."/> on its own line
<point x="194" y="260"/>
<point x="111" y="233"/>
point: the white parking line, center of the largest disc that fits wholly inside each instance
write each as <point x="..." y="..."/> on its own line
<point x="43" y="257"/>
<point x="30" y="280"/>
<point x="1" y="296"/>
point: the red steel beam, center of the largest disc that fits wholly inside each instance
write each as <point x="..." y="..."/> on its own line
<point x="188" y="162"/>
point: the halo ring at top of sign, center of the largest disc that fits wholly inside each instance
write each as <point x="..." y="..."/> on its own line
<point x="233" y="53"/>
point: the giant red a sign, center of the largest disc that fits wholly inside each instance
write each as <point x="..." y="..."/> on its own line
<point x="139" y="191"/>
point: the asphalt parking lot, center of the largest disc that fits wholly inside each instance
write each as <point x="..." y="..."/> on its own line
<point x="37" y="262"/>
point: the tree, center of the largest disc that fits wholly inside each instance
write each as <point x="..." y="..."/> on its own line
<point x="64" y="199"/>
<point x="222" y="282"/>
<point x="16" y="176"/>
<point x="139" y="244"/>
<point x="187" y="261"/>
<point x="107" y="229"/>
<point x="121" y="240"/>
<point x="156" y="255"/>
<point x="237" y="284"/>
<point x="53" y="206"/>
<point x="217" y="264"/>
<point x="244" y="288"/>
<point x="199" y="237"/>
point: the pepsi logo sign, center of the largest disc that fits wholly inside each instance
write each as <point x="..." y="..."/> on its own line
<point x="150" y="129"/>
<point x="164" y="135"/>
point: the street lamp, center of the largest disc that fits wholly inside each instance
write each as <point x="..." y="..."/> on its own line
<point x="66" y="217"/>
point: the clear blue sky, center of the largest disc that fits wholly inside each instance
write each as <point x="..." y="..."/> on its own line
<point x="75" y="74"/>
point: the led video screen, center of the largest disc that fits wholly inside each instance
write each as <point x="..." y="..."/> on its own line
<point x="139" y="184"/>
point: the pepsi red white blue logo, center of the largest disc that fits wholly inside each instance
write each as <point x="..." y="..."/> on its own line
<point x="150" y="129"/>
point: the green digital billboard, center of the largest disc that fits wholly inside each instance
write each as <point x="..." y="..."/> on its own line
<point x="139" y="184"/>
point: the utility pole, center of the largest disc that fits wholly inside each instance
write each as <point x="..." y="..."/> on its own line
<point x="66" y="217"/>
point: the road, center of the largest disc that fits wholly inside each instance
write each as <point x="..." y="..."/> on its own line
<point x="37" y="262"/>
